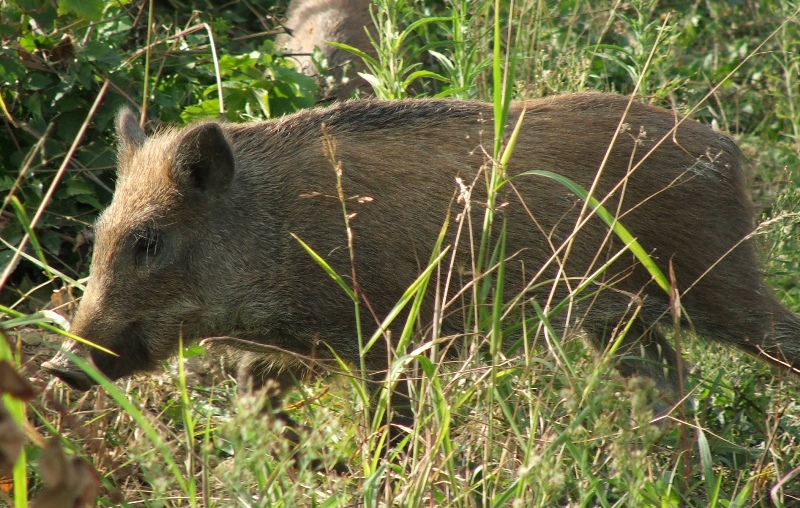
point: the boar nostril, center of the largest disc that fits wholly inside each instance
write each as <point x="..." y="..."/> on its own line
<point x="75" y="379"/>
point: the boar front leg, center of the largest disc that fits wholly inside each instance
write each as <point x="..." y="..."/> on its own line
<point x="644" y="351"/>
<point x="254" y="374"/>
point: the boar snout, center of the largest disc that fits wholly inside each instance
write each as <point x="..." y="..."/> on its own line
<point x="64" y="369"/>
<point x="128" y="345"/>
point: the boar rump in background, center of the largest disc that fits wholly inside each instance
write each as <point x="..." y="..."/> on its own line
<point x="311" y="24"/>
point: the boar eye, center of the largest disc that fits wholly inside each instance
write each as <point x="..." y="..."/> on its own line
<point x="147" y="245"/>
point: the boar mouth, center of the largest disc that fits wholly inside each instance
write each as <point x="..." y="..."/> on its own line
<point x="132" y="356"/>
<point x="70" y="374"/>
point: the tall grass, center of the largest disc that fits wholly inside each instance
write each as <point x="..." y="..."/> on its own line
<point x="543" y="423"/>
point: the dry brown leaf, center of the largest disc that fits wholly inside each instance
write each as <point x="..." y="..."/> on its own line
<point x="14" y="383"/>
<point x="11" y="440"/>
<point x="69" y="481"/>
<point x="63" y="302"/>
<point x="64" y="52"/>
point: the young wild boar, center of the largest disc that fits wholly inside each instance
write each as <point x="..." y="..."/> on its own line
<point x="311" y="24"/>
<point x="198" y="240"/>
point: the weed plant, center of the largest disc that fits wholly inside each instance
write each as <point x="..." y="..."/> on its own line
<point x="541" y="424"/>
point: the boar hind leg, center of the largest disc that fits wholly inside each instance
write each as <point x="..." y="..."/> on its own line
<point x="644" y="351"/>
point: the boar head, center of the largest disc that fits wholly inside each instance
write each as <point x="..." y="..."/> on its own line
<point x="153" y="251"/>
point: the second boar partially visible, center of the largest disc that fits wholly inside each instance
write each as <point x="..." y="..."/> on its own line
<point x="313" y="23"/>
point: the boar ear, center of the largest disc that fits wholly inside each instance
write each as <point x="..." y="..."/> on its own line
<point x="204" y="160"/>
<point x="129" y="133"/>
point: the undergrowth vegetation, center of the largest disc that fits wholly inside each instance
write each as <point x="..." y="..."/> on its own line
<point x="548" y="424"/>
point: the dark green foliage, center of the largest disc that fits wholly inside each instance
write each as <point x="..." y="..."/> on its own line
<point x="52" y="67"/>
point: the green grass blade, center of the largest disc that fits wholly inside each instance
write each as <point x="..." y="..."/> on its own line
<point x="16" y="408"/>
<point x="22" y="216"/>
<point x="612" y="222"/>
<point x="407" y="296"/>
<point x="554" y="336"/>
<point x="42" y="323"/>
<point x="325" y="266"/>
<point x="136" y="414"/>
<point x="357" y="52"/>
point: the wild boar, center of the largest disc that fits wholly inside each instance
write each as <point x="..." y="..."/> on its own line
<point x="198" y="240"/>
<point x="311" y="24"/>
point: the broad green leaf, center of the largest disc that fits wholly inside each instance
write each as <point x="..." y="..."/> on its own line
<point x="86" y="9"/>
